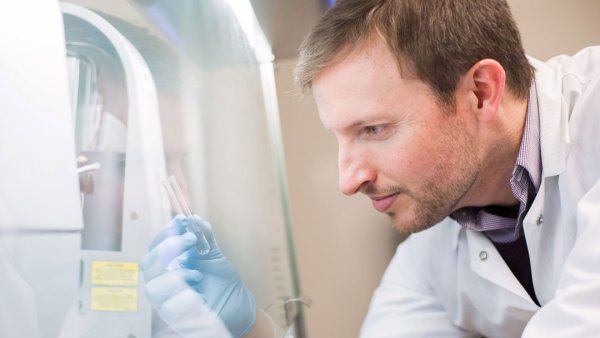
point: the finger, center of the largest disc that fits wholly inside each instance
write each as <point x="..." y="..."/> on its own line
<point x="184" y="303"/>
<point x="175" y="227"/>
<point x="158" y="259"/>
<point x="206" y="229"/>
<point x="170" y="283"/>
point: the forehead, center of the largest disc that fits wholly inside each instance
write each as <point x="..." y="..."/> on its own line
<point x="364" y="84"/>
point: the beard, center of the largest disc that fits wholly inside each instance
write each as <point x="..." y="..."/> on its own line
<point x="439" y="198"/>
<point x="455" y="171"/>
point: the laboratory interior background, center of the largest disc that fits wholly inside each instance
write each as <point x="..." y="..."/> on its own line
<point x="109" y="107"/>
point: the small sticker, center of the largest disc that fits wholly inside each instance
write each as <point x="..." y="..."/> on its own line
<point x="114" y="299"/>
<point x="115" y="273"/>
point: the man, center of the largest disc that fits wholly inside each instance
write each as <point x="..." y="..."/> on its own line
<point x="487" y="157"/>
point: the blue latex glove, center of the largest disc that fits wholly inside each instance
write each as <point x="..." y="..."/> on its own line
<point x="182" y="284"/>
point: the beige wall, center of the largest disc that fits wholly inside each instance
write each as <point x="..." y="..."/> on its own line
<point x="343" y="246"/>
<point x="552" y="27"/>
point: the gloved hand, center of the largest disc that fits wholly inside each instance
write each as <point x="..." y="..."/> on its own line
<point x="182" y="285"/>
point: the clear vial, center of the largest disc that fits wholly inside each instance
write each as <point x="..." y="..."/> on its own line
<point x="202" y="245"/>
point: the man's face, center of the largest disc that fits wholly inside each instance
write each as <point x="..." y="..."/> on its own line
<point x="416" y="159"/>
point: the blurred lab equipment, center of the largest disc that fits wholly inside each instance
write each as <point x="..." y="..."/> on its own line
<point x="119" y="151"/>
<point x="93" y="114"/>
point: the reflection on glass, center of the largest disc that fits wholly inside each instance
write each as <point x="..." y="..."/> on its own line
<point x="229" y="140"/>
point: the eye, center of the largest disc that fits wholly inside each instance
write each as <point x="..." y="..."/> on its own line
<point x="377" y="132"/>
<point x="374" y="130"/>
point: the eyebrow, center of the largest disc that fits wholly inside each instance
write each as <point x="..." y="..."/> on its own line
<point x="371" y="121"/>
<point x="356" y="124"/>
<point x="330" y="129"/>
<point x="363" y="122"/>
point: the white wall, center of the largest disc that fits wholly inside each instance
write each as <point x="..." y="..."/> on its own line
<point x="343" y="246"/>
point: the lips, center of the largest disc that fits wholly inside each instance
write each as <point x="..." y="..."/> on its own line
<point x="381" y="204"/>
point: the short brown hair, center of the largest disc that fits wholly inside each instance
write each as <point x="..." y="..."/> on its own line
<point x="436" y="41"/>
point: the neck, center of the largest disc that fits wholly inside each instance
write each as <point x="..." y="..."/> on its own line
<point x="498" y="156"/>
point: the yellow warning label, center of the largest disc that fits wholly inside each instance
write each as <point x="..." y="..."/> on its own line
<point x="115" y="273"/>
<point x="114" y="299"/>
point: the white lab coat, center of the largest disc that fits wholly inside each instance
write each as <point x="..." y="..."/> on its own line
<point x="448" y="281"/>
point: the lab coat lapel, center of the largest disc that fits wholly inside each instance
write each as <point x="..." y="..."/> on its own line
<point x="554" y="142"/>
<point x="486" y="262"/>
<point x="532" y="229"/>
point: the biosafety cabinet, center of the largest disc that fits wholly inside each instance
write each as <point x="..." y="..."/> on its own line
<point x="101" y="101"/>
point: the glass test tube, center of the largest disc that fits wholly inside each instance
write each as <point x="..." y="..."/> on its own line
<point x="181" y="207"/>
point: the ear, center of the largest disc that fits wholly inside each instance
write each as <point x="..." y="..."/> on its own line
<point x="486" y="80"/>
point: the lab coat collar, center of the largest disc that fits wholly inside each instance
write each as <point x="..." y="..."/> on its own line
<point x="554" y="128"/>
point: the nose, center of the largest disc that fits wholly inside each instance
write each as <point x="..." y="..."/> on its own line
<point x="354" y="170"/>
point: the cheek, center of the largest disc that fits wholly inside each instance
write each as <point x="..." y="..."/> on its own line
<point x="400" y="162"/>
<point x="420" y="159"/>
